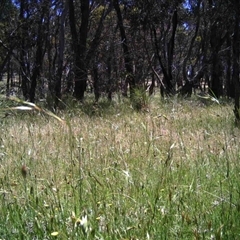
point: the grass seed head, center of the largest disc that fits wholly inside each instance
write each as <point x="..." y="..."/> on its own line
<point x="24" y="171"/>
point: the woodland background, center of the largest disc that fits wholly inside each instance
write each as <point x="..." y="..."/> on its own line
<point x="59" y="47"/>
<point x="114" y="163"/>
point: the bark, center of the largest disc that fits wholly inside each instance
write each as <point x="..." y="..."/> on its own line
<point x="229" y="80"/>
<point x="127" y="56"/>
<point x="216" y="42"/>
<point x="96" y="82"/>
<point x="8" y="79"/>
<point x="97" y="37"/>
<point x="39" y="52"/>
<point x="58" y="81"/>
<point x="152" y="85"/>
<point x="93" y="49"/>
<point x="23" y="65"/>
<point x="236" y="55"/>
<point x="188" y="87"/>
<point x="36" y="73"/>
<point x="171" y="49"/>
<point x="109" y="73"/>
<point x="167" y="86"/>
<point x="4" y="63"/>
<point x="216" y="81"/>
<point x="79" y="43"/>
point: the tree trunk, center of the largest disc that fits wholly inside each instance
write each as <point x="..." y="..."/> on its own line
<point x="229" y="80"/>
<point x="79" y="43"/>
<point x="96" y="81"/>
<point x="188" y="87"/>
<point x="4" y="63"/>
<point x="216" y="75"/>
<point x="167" y="85"/>
<point x="25" y="79"/>
<point x="130" y="80"/>
<point x="58" y="81"/>
<point x="236" y="55"/>
<point x="109" y="73"/>
<point x="93" y="49"/>
<point x="216" y="42"/>
<point x="170" y="50"/>
<point x="38" y="60"/>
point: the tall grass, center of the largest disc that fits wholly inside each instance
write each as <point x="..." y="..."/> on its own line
<point x="114" y="173"/>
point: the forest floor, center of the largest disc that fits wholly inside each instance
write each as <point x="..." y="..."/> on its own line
<point x="170" y="171"/>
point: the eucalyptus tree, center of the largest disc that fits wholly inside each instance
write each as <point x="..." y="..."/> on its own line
<point x="209" y="27"/>
<point x="218" y="28"/>
<point x="42" y="25"/>
<point x="103" y="58"/>
<point x="130" y="79"/>
<point x="192" y="55"/>
<point x="80" y="15"/>
<point x="236" y="57"/>
<point x="161" y="18"/>
<point x="100" y="46"/>
<point x="62" y="11"/>
<point x="79" y="44"/>
<point x="8" y="33"/>
<point x="33" y="31"/>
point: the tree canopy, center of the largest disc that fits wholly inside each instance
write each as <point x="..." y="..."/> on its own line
<point x="73" y="47"/>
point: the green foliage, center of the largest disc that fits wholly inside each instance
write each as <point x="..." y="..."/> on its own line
<point x="140" y="99"/>
<point x="170" y="174"/>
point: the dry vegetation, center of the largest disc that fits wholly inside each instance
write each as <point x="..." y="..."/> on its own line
<point x="111" y="172"/>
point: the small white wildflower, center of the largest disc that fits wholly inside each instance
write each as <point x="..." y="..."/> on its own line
<point x="29" y="152"/>
<point x="216" y="203"/>
<point x="128" y="176"/>
<point x="163" y="210"/>
<point x="172" y="146"/>
<point x="115" y="127"/>
<point x="112" y="148"/>
<point x="126" y="173"/>
<point x="54" y="234"/>
<point x="84" y="222"/>
<point x="127" y="150"/>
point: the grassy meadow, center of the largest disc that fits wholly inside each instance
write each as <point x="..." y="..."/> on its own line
<point x="170" y="171"/>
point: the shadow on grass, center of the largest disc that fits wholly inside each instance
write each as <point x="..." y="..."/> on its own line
<point x="91" y="108"/>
